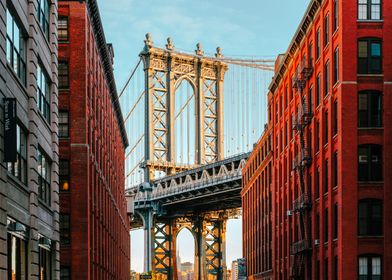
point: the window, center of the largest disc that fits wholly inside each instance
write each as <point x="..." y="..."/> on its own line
<point x="326" y="227"/>
<point x="317" y="137"/>
<point x="317" y="228"/>
<point x="370" y="217"/>
<point x="326" y="170"/>
<point x="369" y="56"/>
<point x="43" y="16"/>
<point x="310" y="100"/>
<point x="326" y="30"/>
<point x="335" y="221"/>
<point x="326" y="268"/>
<point x="370" y="163"/>
<point x="64" y="175"/>
<point x="317" y="183"/>
<point x="318" y="89"/>
<point x="369" y="109"/>
<point x="63" y="75"/>
<point x="335" y="15"/>
<point x="336" y="66"/>
<point x="43" y="177"/>
<point x="19" y="168"/>
<point x="65" y="234"/>
<point x="335" y="117"/>
<point x="45" y="264"/>
<point x="318" y="47"/>
<point x="369" y="9"/>
<point x="17" y="257"/>
<point x="370" y="267"/>
<point x="43" y="93"/>
<point x="335" y="169"/>
<point x="63" y="28"/>
<point x="310" y="61"/>
<point x="326" y="78"/>
<point x="286" y="97"/>
<point x="63" y="124"/>
<point x="16" y="48"/>
<point x="65" y="273"/>
<point x="326" y="128"/>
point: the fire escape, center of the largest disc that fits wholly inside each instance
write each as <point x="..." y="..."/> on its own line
<point x="300" y="250"/>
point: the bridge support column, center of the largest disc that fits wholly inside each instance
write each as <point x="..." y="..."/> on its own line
<point x="210" y="251"/>
<point x="164" y="260"/>
<point x="148" y="226"/>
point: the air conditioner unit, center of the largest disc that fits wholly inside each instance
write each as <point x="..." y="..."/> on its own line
<point x="317" y="242"/>
<point x="289" y="213"/>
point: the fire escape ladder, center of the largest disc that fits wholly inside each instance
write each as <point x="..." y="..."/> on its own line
<point x="301" y="250"/>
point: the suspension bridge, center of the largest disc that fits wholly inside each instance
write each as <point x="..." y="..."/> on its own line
<point x="184" y="161"/>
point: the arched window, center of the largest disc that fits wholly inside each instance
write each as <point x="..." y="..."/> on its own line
<point x="369" y="109"/>
<point x="370" y="162"/>
<point x="370" y="267"/>
<point x="370" y="217"/>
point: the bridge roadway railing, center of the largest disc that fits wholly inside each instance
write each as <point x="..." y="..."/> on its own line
<point x="198" y="178"/>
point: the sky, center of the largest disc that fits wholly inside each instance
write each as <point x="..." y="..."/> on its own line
<point x="258" y="28"/>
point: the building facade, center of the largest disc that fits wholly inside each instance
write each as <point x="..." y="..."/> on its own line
<point x="29" y="202"/>
<point x="94" y="228"/>
<point x="257" y="211"/>
<point x="331" y="121"/>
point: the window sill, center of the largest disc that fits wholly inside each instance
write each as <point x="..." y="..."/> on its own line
<point x="370" y="236"/>
<point x="45" y="205"/>
<point x="378" y="75"/>
<point x="370" y="21"/>
<point x="371" y="128"/>
<point x="45" y="121"/>
<point x="18" y="182"/>
<point x="364" y="183"/>
<point x="46" y="39"/>
<point x="17" y="79"/>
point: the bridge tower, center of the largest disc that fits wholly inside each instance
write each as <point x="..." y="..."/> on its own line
<point x="165" y="70"/>
<point x="301" y="250"/>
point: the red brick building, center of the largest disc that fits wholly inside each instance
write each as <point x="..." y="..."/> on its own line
<point x="94" y="228"/>
<point x="257" y="208"/>
<point x="329" y="112"/>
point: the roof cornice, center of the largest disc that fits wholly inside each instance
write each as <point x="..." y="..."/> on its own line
<point x="295" y="43"/>
<point x="106" y="58"/>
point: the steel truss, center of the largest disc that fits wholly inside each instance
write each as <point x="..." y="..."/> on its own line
<point x="164" y="72"/>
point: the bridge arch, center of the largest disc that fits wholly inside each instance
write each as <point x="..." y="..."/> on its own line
<point x="185" y="121"/>
<point x="187" y="78"/>
<point x="186" y="252"/>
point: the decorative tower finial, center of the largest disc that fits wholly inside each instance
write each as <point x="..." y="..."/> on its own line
<point x="169" y="45"/>
<point x="148" y="43"/>
<point x="199" y="49"/>
<point x="218" y="52"/>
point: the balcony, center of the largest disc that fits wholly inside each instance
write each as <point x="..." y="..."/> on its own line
<point x="300" y="247"/>
<point x="304" y="202"/>
<point x="303" y="118"/>
<point x="302" y="74"/>
<point x="304" y="159"/>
